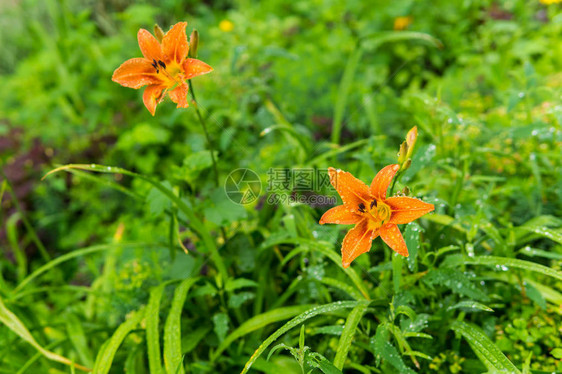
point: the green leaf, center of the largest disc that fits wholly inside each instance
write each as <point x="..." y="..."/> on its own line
<point x="194" y="164"/>
<point x="343" y="92"/>
<point x="234" y="284"/>
<point x="556" y="353"/>
<point x="69" y="256"/>
<point x="383" y="349"/>
<point x="412" y="238"/>
<point x="535" y="295"/>
<point x="105" y="356"/>
<point x="220" y="320"/>
<point x="456" y="281"/>
<point x="327" y="308"/>
<point x="507" y="263"/>
<point x="471" y="306"/>
<point x="257" y="322"/>
<point x="152" y="331"/>
<point x="78" y="338"/>
<point x="320" y="362"/>
<point x="16" y="325"/>
<point x="490" y="355"/>
<point x="172" y="329"/>
<point x="194" y="221"/>
<point x="348" y="333"/>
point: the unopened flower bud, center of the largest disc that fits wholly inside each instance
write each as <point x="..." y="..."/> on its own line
<point x="406" y="165"/>
<point x="411" y="140"/>
<point x="402" y="153"/>
<point x="158" y="32"/>
<point x="193" y="43"/>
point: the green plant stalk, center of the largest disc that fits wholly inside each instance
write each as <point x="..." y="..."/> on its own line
<point x="207" y="136"/>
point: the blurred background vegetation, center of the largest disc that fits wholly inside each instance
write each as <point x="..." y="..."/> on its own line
<point x="481" y="79"/>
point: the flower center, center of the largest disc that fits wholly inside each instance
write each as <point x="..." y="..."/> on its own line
<point x="170" y="72"/>
<point x="377" y="212"/>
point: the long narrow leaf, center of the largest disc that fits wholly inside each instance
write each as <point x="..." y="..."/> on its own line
<point x="16" y="325"/>
<point x="513" y="263"/>
<point x="69" y="256"/>
<point x="327" y="308"/>
<point x="490" y="355"/>
<point x="172" y="328"/>
<point x="348" y="333"/>
<point x="110" y="347"/>
<point x="152" y="336"/>
<point x="258" y="322"/>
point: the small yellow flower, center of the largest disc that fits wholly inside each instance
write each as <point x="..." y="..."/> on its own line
<point x="548" y="2"/>
<point x="401" y="23"/>
<point x="226" y="25"/>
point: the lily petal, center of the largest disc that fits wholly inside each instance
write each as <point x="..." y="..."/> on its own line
<point x="179" y="95"/>
<point x="174" y="43"/>
<point x="351" y="190"/>
<point x="382" y="180"/>
<point x="135" y="73"/>
<point x="151" y="97"/>
<point x="193" y="67"/>
<point x="149" y="46"/>
<point x="356" y="242"/>
<point x="407" y="209"/>
<point x="340" y="214"/>
<point x="392" y="236"/>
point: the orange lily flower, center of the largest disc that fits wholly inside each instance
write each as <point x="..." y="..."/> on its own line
<point x="164" y="68"/>
<point x="372" y="212"/>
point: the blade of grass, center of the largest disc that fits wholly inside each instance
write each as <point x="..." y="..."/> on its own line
<point x="28" y="227"/>
<point x="66" y="257"/>
<point x="343" y="92"/>
<point x="490" y="355"/>
<point x="16" y="325"/>
<point x="105" y="356"/>
<point x="513" y="263"/>
<point x="327" y="308"/>
<point x="78" y="338"/>
<point x="197" y="225"/>
<point x="152" y="336"/>
<point x="172" y="329"/>
<point x="258" y="322"/>
<point x="348" y="333"/>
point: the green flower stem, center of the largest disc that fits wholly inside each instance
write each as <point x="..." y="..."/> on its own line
<point x="204" y="125"/>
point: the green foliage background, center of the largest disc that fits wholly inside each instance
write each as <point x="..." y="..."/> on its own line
<point x="91" y="266"/>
